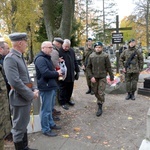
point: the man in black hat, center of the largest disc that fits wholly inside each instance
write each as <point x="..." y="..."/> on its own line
<point x="22" y="92"/>
<point x="57" y="44"/>
<point x="131" y="62"/>
<point x="88" y="50"/>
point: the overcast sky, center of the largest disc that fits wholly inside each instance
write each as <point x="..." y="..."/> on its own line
<point x="125" y="8"/>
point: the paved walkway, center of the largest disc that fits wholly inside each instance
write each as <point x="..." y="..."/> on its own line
<point x="121" y="127"/>
<point x="60" y="143"/>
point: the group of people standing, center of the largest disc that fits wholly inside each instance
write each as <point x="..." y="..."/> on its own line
<point x="51" y="88"/>
<point x="96" y="65"/>
<point x="47" y="65"/>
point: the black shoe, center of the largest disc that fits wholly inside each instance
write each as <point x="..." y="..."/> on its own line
<point x="55" y="118"/>
<point x="92" y="93"/>
<point x="132" y="96"/>
<point x="100" y="111"/>
<point x="65" y="107"/>
<point x="71" y="103"/>
<point x="88" y="92"/>
<point x="128" y="96"/>
<point x="19" y="145"/>
<point x="50" y="133"/>
<point x="55" y="127"/>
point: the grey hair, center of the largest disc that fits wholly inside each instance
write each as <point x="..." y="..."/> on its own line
<point x="67" y="41"/>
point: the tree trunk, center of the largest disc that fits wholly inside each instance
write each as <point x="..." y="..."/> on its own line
<point x="67" y="18"/>
<point x="13" y="10"/>
<point x="48" y="17"/>
<point x="58" y="24"/>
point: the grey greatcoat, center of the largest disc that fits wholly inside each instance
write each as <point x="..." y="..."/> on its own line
<point x="20" y="96"/>
<point x="17" y="75"/>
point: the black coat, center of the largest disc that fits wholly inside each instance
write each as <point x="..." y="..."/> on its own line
<point x="71" y="63"/>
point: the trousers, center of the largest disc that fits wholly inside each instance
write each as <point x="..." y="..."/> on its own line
<point x="66" y="89"/>
<point x="99" y="88"/>
<point x="131" y="80"/>
<point x="47" y="100"/>
<point x="21" y="118"/>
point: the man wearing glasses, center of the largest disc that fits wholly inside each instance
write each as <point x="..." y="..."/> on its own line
<point x="47" y="85"/>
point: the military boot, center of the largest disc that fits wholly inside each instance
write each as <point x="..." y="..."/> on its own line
<point x="19" y="145"/>
<point x="25" y="142"/>
<point x="132" y="96"/>
<point x="92" y="93"/>
<point x="100" y="111"/>
<point x="128" y="96"/>
<point x="89" y="90"/>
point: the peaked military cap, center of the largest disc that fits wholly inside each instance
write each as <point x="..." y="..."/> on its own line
<point x="58" y="39"/>
<point x="18" y="36"/>
<point x="98" y="44"/>
<point x="132" y="40"/>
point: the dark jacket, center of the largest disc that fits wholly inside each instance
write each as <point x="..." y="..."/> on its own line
<point x="71" y="63"/>
<point x="45" y="72"/>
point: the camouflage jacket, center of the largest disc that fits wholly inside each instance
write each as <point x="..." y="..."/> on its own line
<point x="136" y="64"/>
<point x="4" y="108"/>
<point x="99" y="65"/>
<point x="86" y="55"/>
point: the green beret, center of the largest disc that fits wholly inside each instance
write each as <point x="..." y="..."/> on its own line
<point x="98" y="44"/>
<point x="132" y="40"/>
<point x="17" y="36"/>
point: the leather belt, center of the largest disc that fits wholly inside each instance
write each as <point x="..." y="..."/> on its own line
<point x="29" y="85"/>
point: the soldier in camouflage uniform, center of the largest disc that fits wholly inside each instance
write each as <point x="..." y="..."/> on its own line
<point x="88" y="50"/>
<point x="5" y="123"/>
<point x="98" y="66"/>
<point x="2" y="110"/>
<point x="131" y="61"/>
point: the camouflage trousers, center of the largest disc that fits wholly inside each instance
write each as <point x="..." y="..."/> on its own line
<point x="1" y="144"/>
<point x="99" y="88"/>
<point x="131" y="80"/>
<point x="88" y="80"/>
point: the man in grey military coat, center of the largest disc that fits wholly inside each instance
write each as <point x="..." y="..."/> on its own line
<point x="22" y="92"/>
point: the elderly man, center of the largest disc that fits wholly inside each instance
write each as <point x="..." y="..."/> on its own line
<point x="47" y="85"/>
<point x="57" y="44"/>
<point x="66" y="86"/>
<point x="22" y="92"/>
